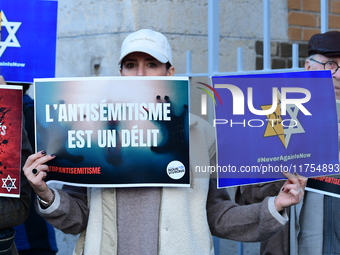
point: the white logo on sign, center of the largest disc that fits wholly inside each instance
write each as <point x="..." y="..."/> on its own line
<point x="298" y="128"/>
<point x="12" y="28"/>
<point x="9" y="183"/>
<point x="175" y="170"/>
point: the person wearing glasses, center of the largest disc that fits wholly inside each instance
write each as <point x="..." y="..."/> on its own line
<point x="324" y="54"/>
<point x="316" y="223"/>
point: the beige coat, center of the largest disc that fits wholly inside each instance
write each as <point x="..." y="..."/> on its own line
<point x="183" y="221"/>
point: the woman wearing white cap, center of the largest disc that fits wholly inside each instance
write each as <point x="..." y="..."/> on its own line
<point x="158" y="220"/>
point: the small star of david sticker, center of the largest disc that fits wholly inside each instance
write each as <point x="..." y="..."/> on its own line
<point x="9" y="183"/>
<point x="12" y="28"/>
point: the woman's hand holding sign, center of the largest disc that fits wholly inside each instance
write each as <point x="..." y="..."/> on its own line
<point x="35" y="171"/>
<point x="291" y="192"/>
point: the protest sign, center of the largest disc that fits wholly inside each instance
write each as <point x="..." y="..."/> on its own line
<point x="114" y="131"/>
<point x="10" y="140"/>
<point x="269" y="123"/>
<point x="327" y="185"/>
<point x="28" y="39"/>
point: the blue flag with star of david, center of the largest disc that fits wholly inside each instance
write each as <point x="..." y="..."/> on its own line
<point x="28" y="40"/>
<point x="270" y="123"/>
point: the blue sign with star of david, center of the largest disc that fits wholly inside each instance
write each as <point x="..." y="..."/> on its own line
<point x="28" y="39"/>
<point x="270" y="123"/>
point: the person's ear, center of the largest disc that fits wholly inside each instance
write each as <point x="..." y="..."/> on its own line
<point x="307" y="65"/>
<point x="171" y="71"/>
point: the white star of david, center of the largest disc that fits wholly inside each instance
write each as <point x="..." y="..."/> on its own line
<point x="9" y="185"/>
<point x="294" y="128"/>
<point x="12" y="28"/>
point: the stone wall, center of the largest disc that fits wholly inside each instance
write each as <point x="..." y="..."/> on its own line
<point x="90" y="32"/>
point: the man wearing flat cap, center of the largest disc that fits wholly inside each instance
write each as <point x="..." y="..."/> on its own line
<point x="315" y="224"/>
<point x="324" y="54"/>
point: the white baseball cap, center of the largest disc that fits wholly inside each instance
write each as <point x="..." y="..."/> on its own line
<point x="147" y="41"/>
